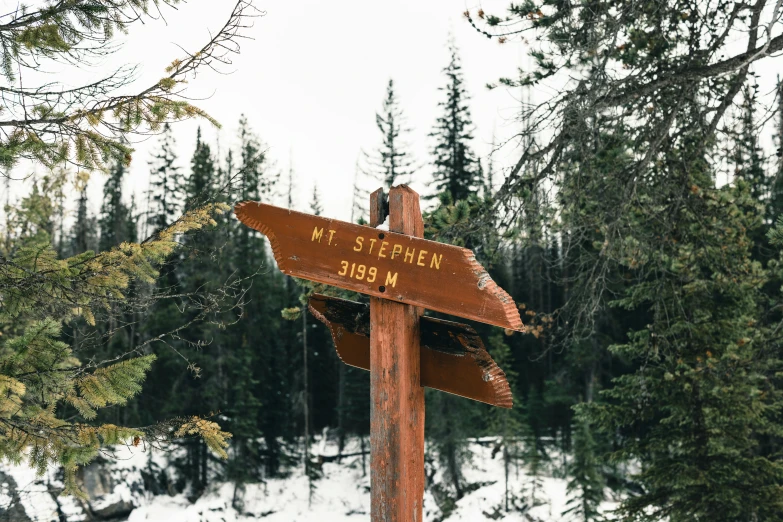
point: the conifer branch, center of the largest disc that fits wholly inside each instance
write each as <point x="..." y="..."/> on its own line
<point x="86" y="125"/>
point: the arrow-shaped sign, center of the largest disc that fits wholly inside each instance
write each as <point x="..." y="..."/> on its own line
<point x="453" y="357"/>
<point x="403" y="350"/>
<point x="392" y="266"/>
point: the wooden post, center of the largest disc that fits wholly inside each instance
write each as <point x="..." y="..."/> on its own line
<point x="397" y="397"/>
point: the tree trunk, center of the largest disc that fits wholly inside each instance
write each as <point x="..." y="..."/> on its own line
<point x="204" y="454"/>
<point x="305" y="399"/>
<point x="506" y="459"/>
<point x="364" y="458"/>
<point x="340" y="408"/>
<point x="454" y="468"/>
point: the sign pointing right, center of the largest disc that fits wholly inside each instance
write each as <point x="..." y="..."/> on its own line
<point x="389" y="265"/>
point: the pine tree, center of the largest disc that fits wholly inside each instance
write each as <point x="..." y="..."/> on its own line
<point x="165" y="198"/>
<point x="699" y="403"/>
<point x="132" y="221"/>
<point x="84" y="232"/>
<point x="749" y="167"/>
<point x="488" y="185"/>
<point x="255" y="181"/>
<point x="202" y="388"/>
<point x="533" y="454"/>
<point x="201" y="184"/>
<point x="585" y="487"/>
<point x="49" y="400"/>
<point x="116" y="227"/>
<point x="315" y="203"/>
<point x="166" y="190"/>
<point x="391" y="163"/>
<point x="457" y="178"/>
<point x="748" y="159"/>
<point x="449" y="422"/>
<point x="358" y="209"/>
<point x="41" y="375"/>
<point x="290" y="185"/>
<point x="258" y="355"/>
<point x="58" y="200"/>
<point x="114" y="212"/>
<point x="775" y="207"/>
<point x="463" y="216"/>
<point x="83" y="238"/>
<point x="456" y="167"/>
<point x="505" y="424"/>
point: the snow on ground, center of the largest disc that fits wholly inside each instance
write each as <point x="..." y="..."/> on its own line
<point x="341" y="495"/>
<point x="38" y="503"/>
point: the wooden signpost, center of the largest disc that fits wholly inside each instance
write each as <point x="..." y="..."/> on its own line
<point x="404" y="351"/>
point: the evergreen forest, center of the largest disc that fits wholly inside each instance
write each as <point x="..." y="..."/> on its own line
<point x="640" y="234"/>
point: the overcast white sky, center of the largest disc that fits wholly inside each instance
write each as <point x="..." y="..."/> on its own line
<point x="313" y="76"/>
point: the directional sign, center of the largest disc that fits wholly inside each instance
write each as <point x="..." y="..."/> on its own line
<point x="383" y="264"/>
<point x="404" y="351"/>
<point x="453" y="357"/>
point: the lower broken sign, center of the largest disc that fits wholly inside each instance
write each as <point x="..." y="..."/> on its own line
<point x="453" y="357"/>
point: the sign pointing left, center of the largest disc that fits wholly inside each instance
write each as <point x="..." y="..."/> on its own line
<point x="392" y="266"/>
<point x="453" y="357"/>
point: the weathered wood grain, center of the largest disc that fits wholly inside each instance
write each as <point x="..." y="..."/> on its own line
<point x="396" y="394"/>
<point x="453" y="357"/>
<point x="392" y="265"/>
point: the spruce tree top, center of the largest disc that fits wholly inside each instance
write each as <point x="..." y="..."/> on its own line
<point x="166" y="186"/>
<point x="457" y="171"/>
<point x="391" y="163"/>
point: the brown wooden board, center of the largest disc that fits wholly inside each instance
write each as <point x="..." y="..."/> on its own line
<point x="453" y="357"/>
<point x="396" y="397"/>
<point x="383" y="264"/>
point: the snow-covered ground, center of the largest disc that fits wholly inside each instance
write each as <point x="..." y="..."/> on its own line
<point x="341" y="495"/>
